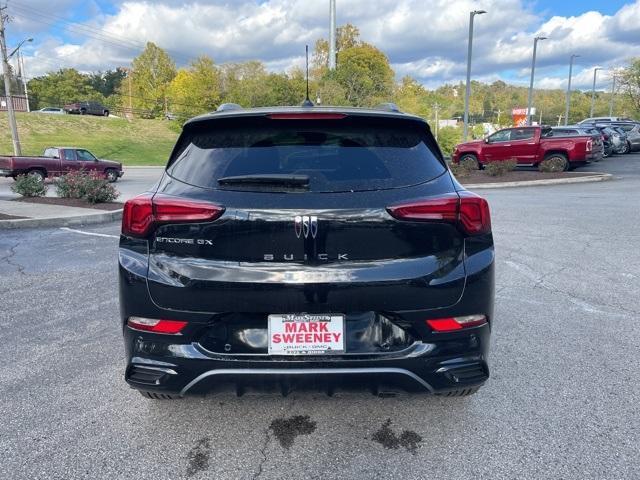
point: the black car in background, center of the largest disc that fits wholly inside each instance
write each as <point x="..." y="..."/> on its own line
<point x="87" y="108"/>
<point x="306" y="247"/>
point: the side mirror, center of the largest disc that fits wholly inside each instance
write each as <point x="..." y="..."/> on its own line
<point x="486" y="140"/>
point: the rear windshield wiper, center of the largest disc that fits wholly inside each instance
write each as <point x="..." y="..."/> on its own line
<point x="267" y="179"/>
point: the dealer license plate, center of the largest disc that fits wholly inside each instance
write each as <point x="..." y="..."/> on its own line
<point x="306" y="334"/>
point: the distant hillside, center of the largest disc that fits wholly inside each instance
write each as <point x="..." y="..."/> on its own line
<point x="139" y="142"/>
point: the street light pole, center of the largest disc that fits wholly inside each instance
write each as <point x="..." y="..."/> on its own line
<point x="467" y="92"/>
<point x="332" y="35"/>
<point x="533" y="70"/>
<point x="593" y="90"/>
<point x="7" y="87"/>
<point x="566" y="110"/>
<point x="20" y="61"/>
<point x="613" y="92"/>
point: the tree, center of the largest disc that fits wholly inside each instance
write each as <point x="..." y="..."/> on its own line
<point x="107" y="83"/>
<point x="152" y="72"/>
<point x="64" y="86"/>
<point x="630" y="83"/>
<point x="347" y="36"/>
<point x="365" y="75"/>
<point x="195" y="90"/>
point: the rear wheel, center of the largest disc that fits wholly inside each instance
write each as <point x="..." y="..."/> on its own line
<point x="111" y="175"/>
<point x="562" y="158"/>
<point x="157" y="396"/>
<point x="82" y="111"/>
<point x="462" y="392"/>
<point x="626" y="148"/>
<point x="37" y="174"/>
<point x="471" y="158"/>
<point x="106" y="113"/>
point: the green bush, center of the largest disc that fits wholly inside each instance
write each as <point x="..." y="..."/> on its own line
<point x="551" y="165"/>
<point x="469" y="164"/>
<point x="72" y="185"/>
<point x="500" y="168"/>
<point x="99" y="190"/>
<point x="90" y="186"/>
<point x="29" y="186"/>
<point x="459" y="170"/>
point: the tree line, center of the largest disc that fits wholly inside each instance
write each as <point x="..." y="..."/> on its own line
<point x="363" y="77"/>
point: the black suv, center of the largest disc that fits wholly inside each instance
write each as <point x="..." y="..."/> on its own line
<point x="306" y="247"/>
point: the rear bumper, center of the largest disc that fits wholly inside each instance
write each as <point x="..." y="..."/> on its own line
<point x="451" y="363"/>
<point x="6" y="172"/>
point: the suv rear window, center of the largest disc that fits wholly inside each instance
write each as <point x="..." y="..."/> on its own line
<point x="337" y="155"/>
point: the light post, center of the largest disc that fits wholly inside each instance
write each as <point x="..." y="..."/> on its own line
<point x="21" y="68"/>
<point x="533" y="70"/>
<point x="566" y="110"/>
<point x="593" y="90"/>
<point x="613" y="92"/>
<point x="468" y="89"/>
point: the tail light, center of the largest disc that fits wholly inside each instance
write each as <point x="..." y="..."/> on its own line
<point x="465" y="209"/>
<point x="451" y="324"/>
<point x="589" y="145"/>
<point x="167" y="327"/>
<point x="147" y="211"/>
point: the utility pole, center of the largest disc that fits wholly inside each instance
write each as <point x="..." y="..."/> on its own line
<point x="436" y="107"/>
<point x="332" y="35"/>
<point x="6" y="71"/>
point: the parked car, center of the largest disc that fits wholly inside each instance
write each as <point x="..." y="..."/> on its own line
<point x="632" y="131"/>
<point x="51" y="110"/>
<point x="311" y="245"/>
<point x="528" y="146"/>
<point x="580" y="131"/>
<point x="614" y="138"/>
<point x="87" y="108"/>
<point x="56" y="161"/>
<point x="605" y="120"/>
<point x="624" y="146"/>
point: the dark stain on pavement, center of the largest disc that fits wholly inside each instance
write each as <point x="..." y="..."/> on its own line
<point x="389" y="439"/>
<point x="287" y="429"/>
<point x="199" y="457"/>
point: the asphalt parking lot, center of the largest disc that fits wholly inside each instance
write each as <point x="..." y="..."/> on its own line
<point x="562" y="401"/>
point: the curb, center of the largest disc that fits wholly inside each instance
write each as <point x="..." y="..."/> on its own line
<point x="595" y="177"/>
<point x="76" y="220"/>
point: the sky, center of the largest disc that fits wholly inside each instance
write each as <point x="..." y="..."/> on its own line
<point x="426" y="39"/>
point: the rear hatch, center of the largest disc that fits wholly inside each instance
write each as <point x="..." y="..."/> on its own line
<point x="306" y="224"/>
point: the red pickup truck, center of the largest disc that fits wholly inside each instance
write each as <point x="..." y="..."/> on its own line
<point x="529" y="146"/>
<point x="57" y="161"/>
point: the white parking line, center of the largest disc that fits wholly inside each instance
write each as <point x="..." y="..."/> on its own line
<point x="89" y="233"/>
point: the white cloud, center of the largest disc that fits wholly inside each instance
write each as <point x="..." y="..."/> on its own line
<point x="427" y="40"/>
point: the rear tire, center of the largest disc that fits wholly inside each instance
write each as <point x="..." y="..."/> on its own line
<point x="157" y="396"/>
<point x="83" y="111"/>
<point x="462" y="392"/>
<point x="567" y="164"/>
<point x="106" y="113"/>
<point x="627" y="148"/>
